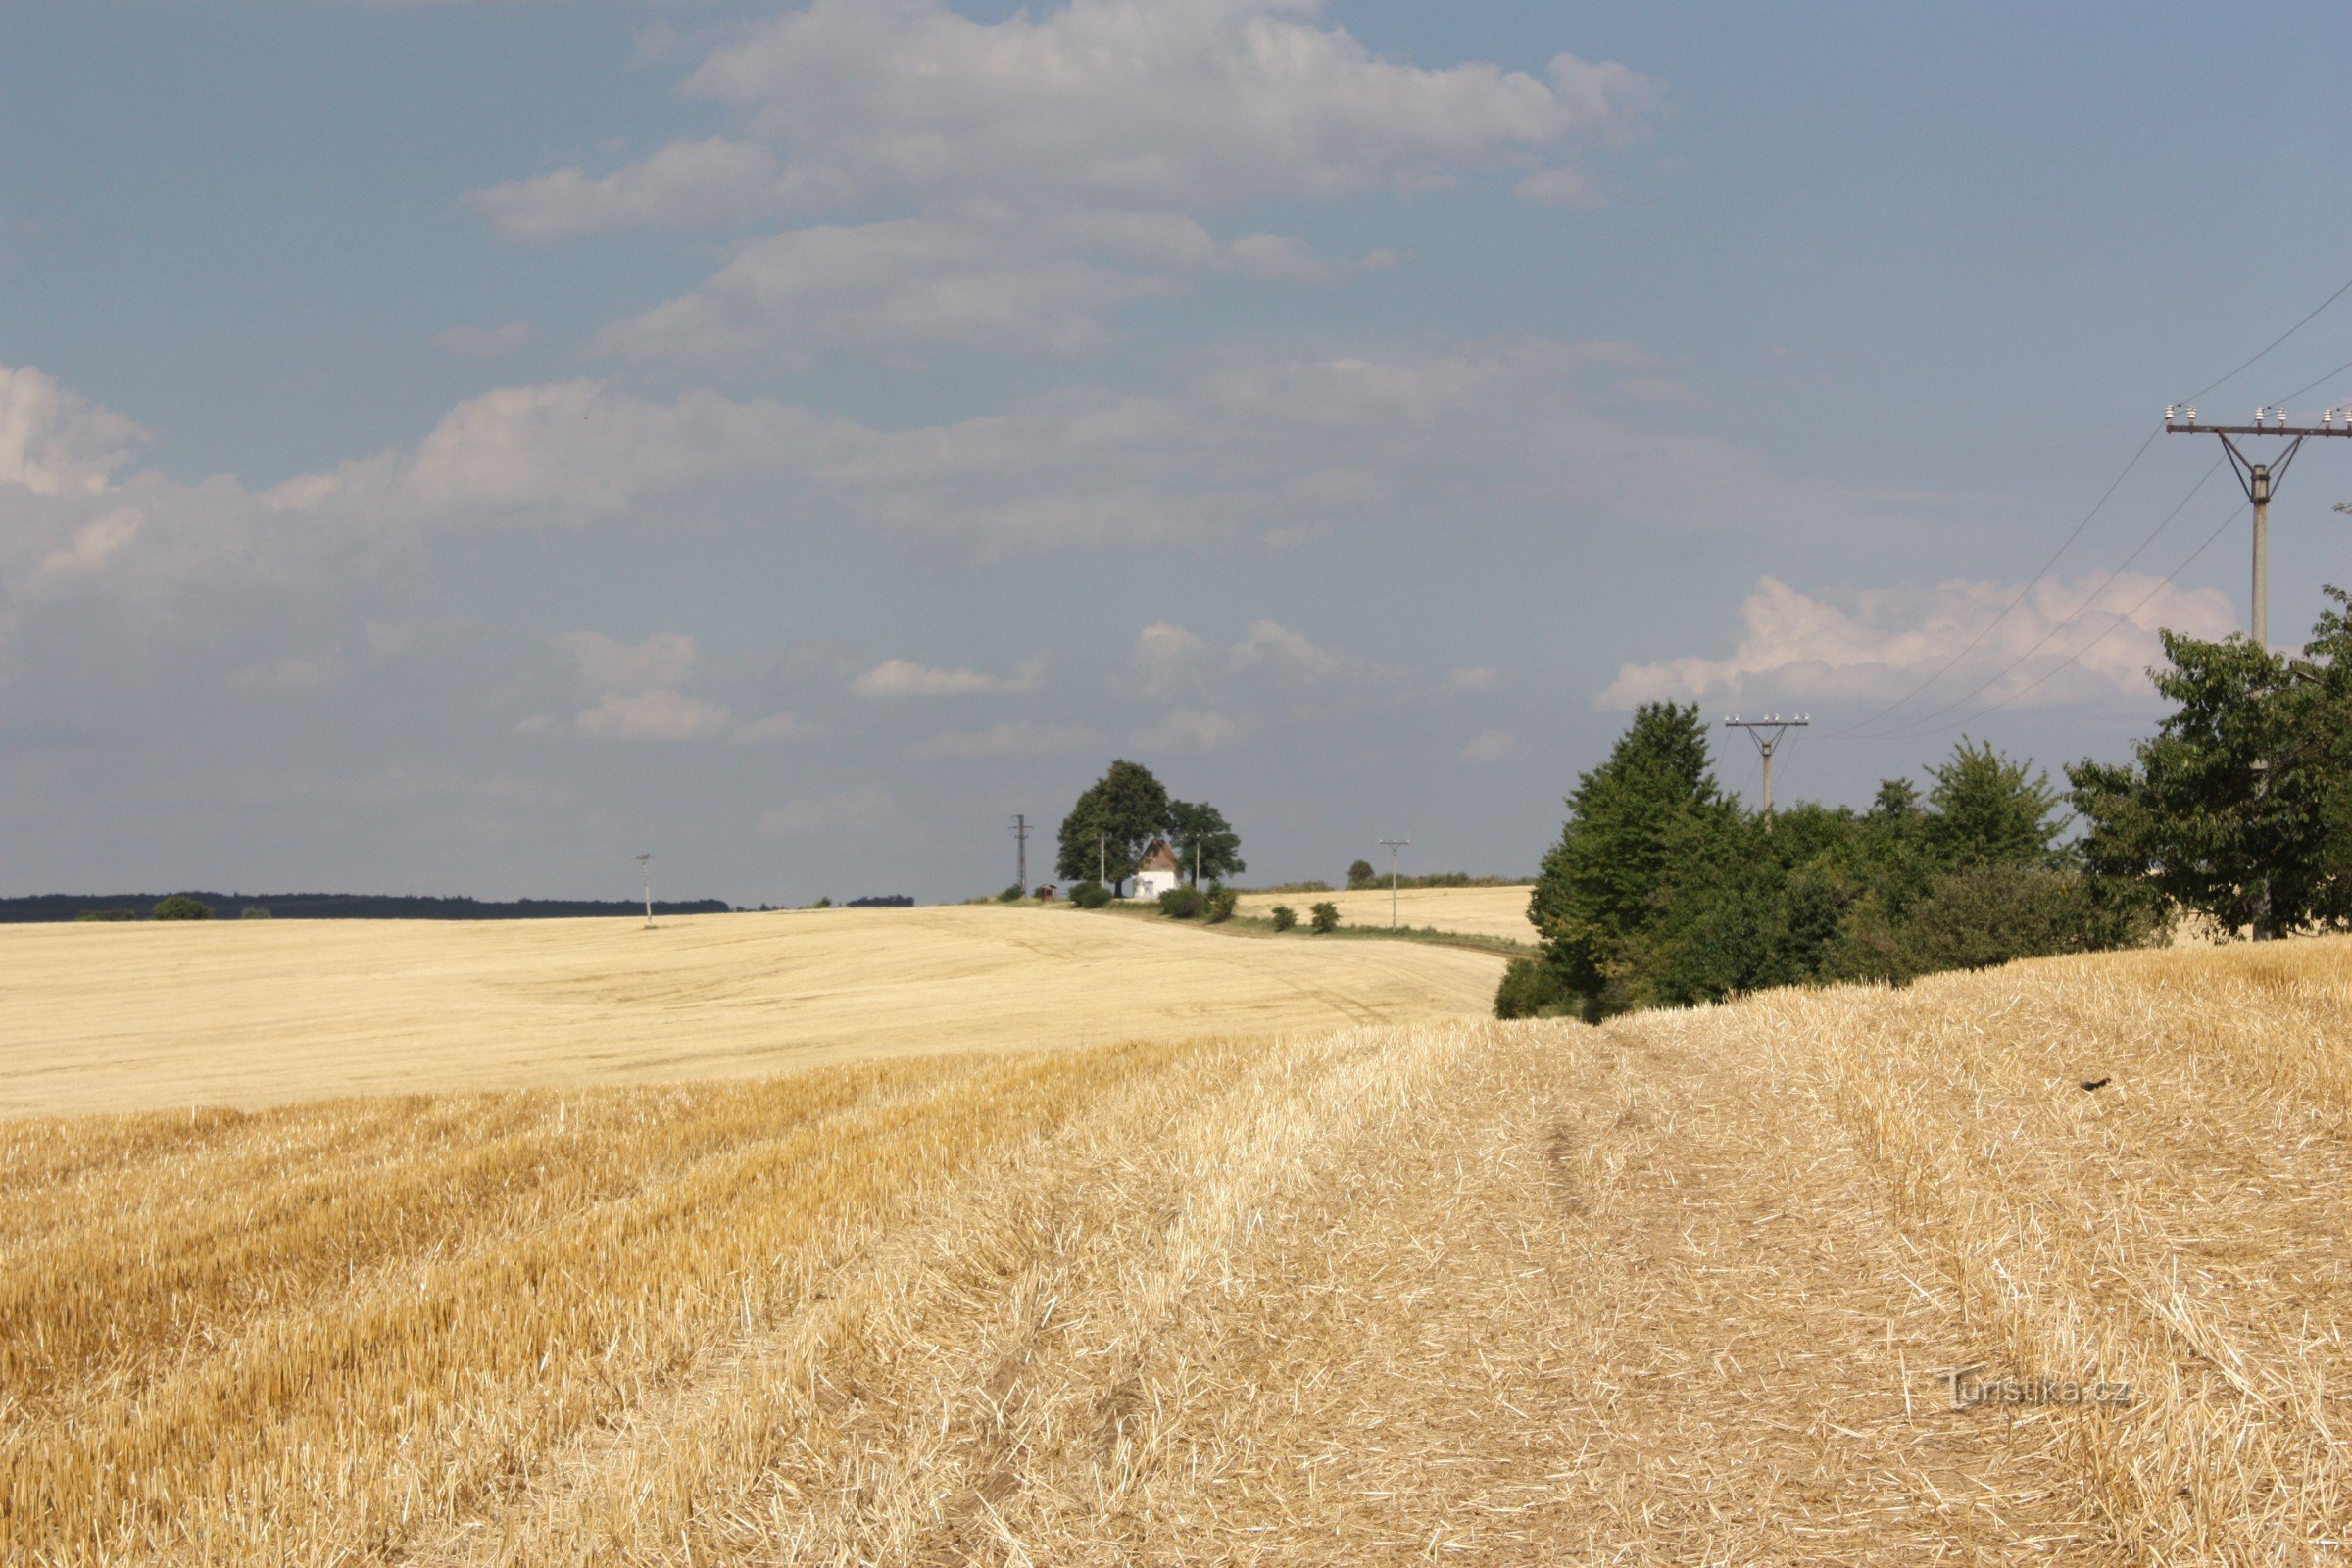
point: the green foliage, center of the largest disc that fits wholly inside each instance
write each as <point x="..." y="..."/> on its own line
<point x="1222" y="902"/>
<point x="1090" y="894"/>
<point x="1121" y="812"/>
<point x="1664" y="893"/>
<point x="180" y="907"/>
<point x="1360" y="873"/>
<point x="254" y="911"/>
<point x="1012" y="894"/>
<point x="2240" y="806"/>
<point x="1206" y="846"/>
<point x="1283" y="917"/>
<point x="108" y="915"/>
<point x="1989" y="811"/>
<point x="1323" y="918"/>
<point x="1296" y="887"/>
<point x="1641" y="868"/>
<point x="1183" y="904"/>
<point x="1532" y="989"/>
<point x="823" y="902"/>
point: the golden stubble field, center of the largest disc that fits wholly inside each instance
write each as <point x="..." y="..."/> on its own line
<point x="136" y="1016"/>
<point x="1476" y="911"/>
<point x="1684" y="1289"/>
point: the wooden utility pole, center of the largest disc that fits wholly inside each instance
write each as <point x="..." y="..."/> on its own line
<point x="1393" y="845"/>
<point x="2258" y="481"/>
<point x="1020" y="834"/>
<point x="1766" y="744"/>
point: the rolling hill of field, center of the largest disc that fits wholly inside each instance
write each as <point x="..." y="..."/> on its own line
<point x="1690" y="1288"/>
<point x="135" y="1016"/>
<point x="1475" y="911"/>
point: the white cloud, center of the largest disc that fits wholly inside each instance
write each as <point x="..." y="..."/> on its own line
<point x="482" y="342"/>
<point x="295" y="672"/>
<point x="1494" y="746"/>
<point x="901" y="678"/>
<point x="653" y="715"/>
<point x="774" y="727"/>
<point x="1479" y="679"/>
<point x="1169" y="660"/>
<point x="988" y="284"/>
<point x="692" y="184"/>
<point x="1193" y="729"/>
<point x="1008" y="740"/>
<point x="55" y="443"/>
<point x="606" y="664"/>
<point x="851" y="810"/>
<point x="1189" y="102"/>
<point x="1276" y="648"/>
<point x="1873" y="645"/>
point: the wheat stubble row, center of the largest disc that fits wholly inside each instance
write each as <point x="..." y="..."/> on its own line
<point x="1677" y="1290"/>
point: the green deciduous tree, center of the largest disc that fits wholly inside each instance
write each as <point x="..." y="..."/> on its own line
<point x="1640" y="868"/>
<point x="1121" y="812"/>
<point x="1206" y="846"/>
<point x="1991" y="811"/>
<point x="180" y="907"/>
<point x="2240" y="806"/>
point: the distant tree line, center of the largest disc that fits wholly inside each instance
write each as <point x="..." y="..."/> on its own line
<point x="333" y="907"/>
<point x="1663" y="890"/>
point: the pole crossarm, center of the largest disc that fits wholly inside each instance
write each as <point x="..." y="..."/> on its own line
<point x="2260" y="482"/>
<point x="1766" y="744"/>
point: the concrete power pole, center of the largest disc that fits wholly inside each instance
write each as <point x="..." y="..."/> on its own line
<point x="645" y="864"/>
<point x="1766" y="744"/>
<point x="1020" y="834"/>
<point x="1393" y="845"/>
<point x="2258" y="481"/>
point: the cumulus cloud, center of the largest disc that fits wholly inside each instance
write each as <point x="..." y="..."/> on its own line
<point x="1008" y="740"/>
<point x="1492" y="746"/>
<point x="651" y="715"/>
<point x="1188" y="102"/>
<point x="606" y="664"/>
<point x="1479" y="679"/>
<point x="1193" y="729"/>
<point x="851" y="810"/>
<point x="1866" y="645"/>
<point x="902" y="677"/>
<point x="55" y="443"/>
<point x="689" y="184"/>
<point x="1167" y="661"/>
<point x="1276" y="648"/>
<point x="1040" y="170"/>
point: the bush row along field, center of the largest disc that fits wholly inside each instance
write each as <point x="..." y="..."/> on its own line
<point x="243" y="1014"/>
<point x="1678" y="1288"/>
<point x="1486" y="911"/>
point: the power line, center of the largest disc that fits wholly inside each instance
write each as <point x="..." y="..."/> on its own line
<point x="1986" y="630"/>
<point x="2275" y="342"/>
<point x="2112" y="627"/>
<point x="2089" y="599"/>
<point x="2064" y="545"/>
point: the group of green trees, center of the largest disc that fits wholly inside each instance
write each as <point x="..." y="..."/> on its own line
<point x="1663" y="890"/>
<point x="1115" y="820"/>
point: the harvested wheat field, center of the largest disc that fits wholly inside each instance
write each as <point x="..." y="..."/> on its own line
<point x="1676" y="1289"/>
<point x="1474" y="911"/>
<point x="112" y="1017"/>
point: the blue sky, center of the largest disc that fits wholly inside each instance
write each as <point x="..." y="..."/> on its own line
<point x="450" y="446"/>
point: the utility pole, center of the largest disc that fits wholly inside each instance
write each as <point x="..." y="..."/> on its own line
<point x="1766" y="744"/>
<point x="1393" y="845"/>
<point x="2258" y="481"/>
<point x="1020" y="833"/>
<point x="645" y="864"/>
